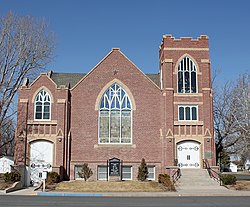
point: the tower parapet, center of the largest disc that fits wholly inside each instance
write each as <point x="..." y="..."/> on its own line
<point x="184" y="43"/>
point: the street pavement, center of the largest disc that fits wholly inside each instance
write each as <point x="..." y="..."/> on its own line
<point x="191" y="201"/>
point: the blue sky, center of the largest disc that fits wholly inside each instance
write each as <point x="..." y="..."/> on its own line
<point x="86" y="30"/>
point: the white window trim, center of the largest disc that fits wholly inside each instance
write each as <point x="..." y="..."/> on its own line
<point x="76" y="172"/>
<point x="131" y="171"/>
<point x="190" y="106"/>
<point x="43" y="120"/>
<point x="152" y="166"/>
<point x="98" y="172"/>
<point x="131" y="121"/>
<point x="197" y="90"/>
<point x="115" y="143"/>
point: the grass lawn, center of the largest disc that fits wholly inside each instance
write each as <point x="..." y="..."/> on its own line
<point x="104" y="186"/>
<point x="242" y="185"/>
<point x="3" y="184"/>
<point x="243" y="172"/>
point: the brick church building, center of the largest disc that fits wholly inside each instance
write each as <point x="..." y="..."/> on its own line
<point x="117" y="111"/>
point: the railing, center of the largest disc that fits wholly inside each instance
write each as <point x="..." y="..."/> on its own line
<point x="175" y="162"/>
<point x="176" y="175"/>
<point x="212" y="173"/>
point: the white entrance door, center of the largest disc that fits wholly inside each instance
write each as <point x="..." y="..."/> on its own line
<point x="41" y="159"/>
<point x="188" y="154"/>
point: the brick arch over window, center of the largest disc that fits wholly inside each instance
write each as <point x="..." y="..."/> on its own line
<point x="42" y="105"/>
<point x="98" y="99"/>
<point x="115" y="116"/>
<point x="38" y="90"/>
<point x="187" y="70"/>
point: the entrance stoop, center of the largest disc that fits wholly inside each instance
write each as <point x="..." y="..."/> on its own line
<point x="197" y="180"/>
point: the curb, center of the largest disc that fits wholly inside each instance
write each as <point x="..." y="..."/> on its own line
<point x="70" y="194"/>
<point x="175" y="194"/>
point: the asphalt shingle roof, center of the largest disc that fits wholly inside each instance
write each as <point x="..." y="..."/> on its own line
<point x="71" y="79"/>
<point x="155" y="78"/>
<point x="67" y="79"/>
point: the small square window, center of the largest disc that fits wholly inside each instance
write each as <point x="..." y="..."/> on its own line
<point x="126" y="172"/>
<point x="78" y="168"/>
<point x="151" y="172"/>
<point x="102" y="172"/>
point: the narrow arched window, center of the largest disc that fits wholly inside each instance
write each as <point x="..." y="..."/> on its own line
<point x="187" y="78"/>
<point x="115" y="116"/>
<point x="42" y="105"/>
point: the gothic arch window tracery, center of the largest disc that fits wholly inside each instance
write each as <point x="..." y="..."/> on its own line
<point x="187" y="76"/>
<point x="42" y="108"/>
<point x="115" y="116"/>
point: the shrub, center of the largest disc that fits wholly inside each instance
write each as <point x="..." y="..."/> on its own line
<point x="165" y="180"/>
<point x="1" y="176"/>
<point x="12" y="176"/>
<point x="142" y="171"/>
<point x="228" y="179"/>
<point x="52" y="177"/>
<point x="163" y="177"/>
<point x="85" y="172"/>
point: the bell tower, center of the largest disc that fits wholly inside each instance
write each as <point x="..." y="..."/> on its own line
<point x="187" y="92"/>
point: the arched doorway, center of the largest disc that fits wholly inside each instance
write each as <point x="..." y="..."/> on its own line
<point x="188" y="154"/>
<point x="41" y="159"/>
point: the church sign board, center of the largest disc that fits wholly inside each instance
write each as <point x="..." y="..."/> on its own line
<point x="114" y="167"/>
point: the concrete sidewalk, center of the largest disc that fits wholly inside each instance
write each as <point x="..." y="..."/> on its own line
<point x="24" y="191"/>
<point x="204" y="192"/>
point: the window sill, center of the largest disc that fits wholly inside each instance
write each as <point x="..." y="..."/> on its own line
<point x="188" y="122"/>
<point x="114" y="145"/>
<point x="42" y="122"/>
<point x="187" y="94"/>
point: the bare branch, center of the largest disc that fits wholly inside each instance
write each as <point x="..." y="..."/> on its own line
<point x="232" y="116"/>
<point x="26" y="47"/>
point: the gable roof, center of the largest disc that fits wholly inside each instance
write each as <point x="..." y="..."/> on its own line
<point x="67" y="79"/>
<point x="155" y="78"/>
<point x="71" y="79"/>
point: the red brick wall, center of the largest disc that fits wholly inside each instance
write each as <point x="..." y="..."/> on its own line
<point x="154" y="134"/>
<point x="26" y="114"/>
<point x="146" y="122"/>
<point x="171" y="52"/>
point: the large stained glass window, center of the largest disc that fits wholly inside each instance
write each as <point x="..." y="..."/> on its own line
<point x="115" y="116"/>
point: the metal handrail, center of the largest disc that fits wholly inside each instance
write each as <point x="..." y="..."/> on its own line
<point x="176" y="175"/>
<point x="212" y="173"/>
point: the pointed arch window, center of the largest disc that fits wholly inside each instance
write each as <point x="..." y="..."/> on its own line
<point x="187" y="76"/>
<point x="42" y="106"/>
<point x="115" y="116"/>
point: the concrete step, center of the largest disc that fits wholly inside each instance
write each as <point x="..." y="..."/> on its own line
<point x="197" y="179"/>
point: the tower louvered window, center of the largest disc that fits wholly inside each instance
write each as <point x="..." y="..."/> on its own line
<point x="187" y="77"/>
<point x="42" y="106"/>
<point x="115" y="116"/>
